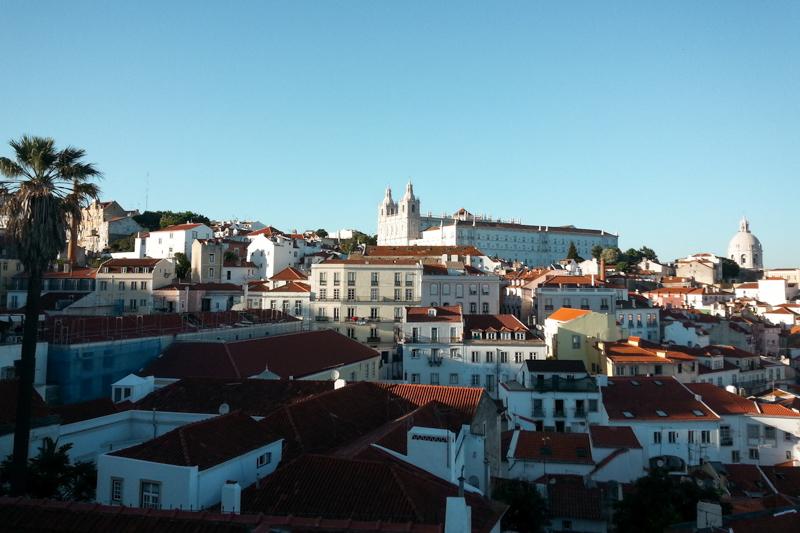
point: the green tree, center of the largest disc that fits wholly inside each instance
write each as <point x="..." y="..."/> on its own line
<point x="170" y="218"/>
<point x="36" y="206"/>
<point x="321" y="233"/>
<point x="730" y="268"/>
<point x="124" y="244"/>
<point x="572" y="252"/>
<point x="659" y="500"/>
<point x="351" y="245"/>
<point x="597" y="251"/>
<point x="182" y="266"/>
<point x="527" y="510"/>
<point x="648" y="253"/>
<point x="52" y="476"/>
<point x="611" y="255"/>
<point x="151" y="220"/>
<point x="230" y="257"/>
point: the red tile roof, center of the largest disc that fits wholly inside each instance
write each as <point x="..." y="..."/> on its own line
<point x="118" y="263"/>
<point x="255" y="397"/>
<point x="293" y="355"/>
<point x="421" y="251"/>
<point x="774" y="409"/>
<point x="539" y="446"/>
<point x="613" y="437"/>
<point x="178" y="227"/>
<point x="721" y="401"/>
<point x="76" y="273"/>
<point x="643" y="398"/>
<point x="360" y="260"/>
<point x="565" y="314"/>
<point x="743" y="479"/>
<point x="569" y="497"/>
<point x="496" y="322"/>
<point x="204" y="444"/>
<point x="450" y="313"/>
<point x="289" y="274"/>
<point x="379" y="488"/>
<point x="269" y="231"/>
<point x="9" y="389"/>
<point x="291" y="286"/>
<point x="585" y="281"/>
<point x="76" y="412"/>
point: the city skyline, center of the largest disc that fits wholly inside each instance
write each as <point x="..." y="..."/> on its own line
<point x="663" y="124"/>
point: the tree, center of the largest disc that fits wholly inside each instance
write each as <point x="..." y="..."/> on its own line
<point x="321" y="233"/>
<point x="352" y="244"/>
<point x="52" y="475"/>
<point x="35" y="204"/>
<point x="730" y="268"/>
<point x="83" y="190"/>
<point x="611" y="255"/>
<point x="182" y="265"/>
<point x="659" y="500"/>
<point x="170" y="218"/>
<point x="597" y="251"/>
<point x="572" y="253"/>
<point x="527" y="512"/>
<point x="648" y="253"/>
<point x="123" y="244"/>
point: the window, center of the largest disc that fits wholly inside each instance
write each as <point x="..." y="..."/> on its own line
<point x="567" y="302"/>
<point x="132" y="304"/>
<point x="121" y="285"/>
<point x="753" y="432"/>
<point x="690" y="436"/>
<point x="374" y="278"/>
<point x="116" y="490"/>
<point x="211" y="257"/>
<point x="584" y="303"/>
<point x="489" y="382"/>
<point x="490" y="357"/>
<point x="398" y="278"/>
<point x="373" y="294"/>
<point x="143" y="285"/>
<point x="576" y="342"/>
<point x="476" y="380"/>
<point x="351" y="294"/>
<point x="336" y="294"/>
<point x="398" y="313"/>
<point x="211" y="272"/>
<point x="323" y="294"/>
<point x="409" y="294"/>
<point x="566" y="525"/>
<point x="705" y="436"/>
<point x="103" y="285"/>
<point x="473" y="307"/>
<point x="414" y="378"/>
<point x="476" y="358"/>
<point x="735" y="457"/>
<point x="228" y="274"/>
<point x="657" y="437"/>
<point x="504" y="357"/>
<point x="434" y="290"/>
<point x="518" y="357"/>
<point x="592" y="406"/>
<point x="263" y="460"/>
<point x="473" y="289"/>
<point x="485" y="308"/>
<point x="351" y="279"/>
<point x="770" y="433"/>
<point x="753" y="453"/>
<point x="150" y="497"/>
<point x="434" y="378"/>
<point x="453" y="379"/>
<point x="484" y="289"/>
<point x="459" y="291"/>
<point x="323" y="279"/>
<point x="672" y="437"/>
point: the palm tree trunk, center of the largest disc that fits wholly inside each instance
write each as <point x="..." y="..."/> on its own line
<point x="27" y="368"/>
<point x="73" y="231"/>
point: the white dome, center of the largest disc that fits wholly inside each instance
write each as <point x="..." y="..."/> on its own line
<point x="745" y="248"/>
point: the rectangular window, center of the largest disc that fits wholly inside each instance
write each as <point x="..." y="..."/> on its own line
<point x="476" y="380"/>
<point x="459" y="291"/>
<point x="121" y="285"/>
<point x="211" y="272"/>
<point x="373" y="295"/>
<point x="103" y="285"/>
<point x="434" y="378"/>
<point x="656" y="437"/>
<point x="770" y="433"/>
<point x="453" y="379"/>
<point x="690" y="436"/>
<point x="211" y="258"/>
<point x="398" y="279"/>
<point x="489" y="382"/>
<point x="116" y="490"/>
<point x="409" y="294"/>
<point x="323" y="278"/>
<point x="705" y="436"/>
<point x="592" y="406"/>
<point x="143" y="285"/>
<point x="263" y="460"/>
<point x="735" y="457"/>
<point x="351" y="294"/>
<point x="753" y="454"/>
<point x="336" y="294"/>
<point x="150" y="497"/>
<point x="398" y="294"/>
<point x="672" y="437"/>
<point x="473" y="307"/>
<point x="414" y="378"/>
<point x="434" y="290"/>
<point x="576" y="342"/>
<point x="374" y="278"/>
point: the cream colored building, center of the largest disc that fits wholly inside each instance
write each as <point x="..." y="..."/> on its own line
<point x="103" y="223"/>
<point x="365" y="298"/>
<point x="125" y="286"/>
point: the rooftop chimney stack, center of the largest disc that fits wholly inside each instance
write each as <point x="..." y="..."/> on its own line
<point x="231" y="497"/>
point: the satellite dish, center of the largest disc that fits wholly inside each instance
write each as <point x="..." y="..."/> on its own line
<point x="660" y="463"/>
<point x="224" y="408"/>
<point x="334" y="375"/>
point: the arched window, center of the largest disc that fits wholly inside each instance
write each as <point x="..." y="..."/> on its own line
<point x="744" y="258"/>
<point x="755" y="259"/>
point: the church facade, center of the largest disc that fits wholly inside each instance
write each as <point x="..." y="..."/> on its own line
<point x="401" y="223"/>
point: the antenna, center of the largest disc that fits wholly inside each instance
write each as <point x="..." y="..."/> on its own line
<point x="146" y="190"/>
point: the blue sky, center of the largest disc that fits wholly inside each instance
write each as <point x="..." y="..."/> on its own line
<point x="664" y="122"/>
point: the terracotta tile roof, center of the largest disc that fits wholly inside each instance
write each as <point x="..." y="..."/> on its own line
<point x="613" y="437"/>
<point x="421" y="251"/>
<point x="291" y="286"/>
<point x="255" y="397"/>
<point x="583" y="281"/>
<point x="645" y="398"/>
<point x="178" y="227"/>
<point x="569" y="497"/>
<point x="450" y="313"/>
<point x="360" y="260"/>
<point x="204" y="444"/>
<point x="290" y="355"/>
<point x="289" y="274"/>
<point x="77" y="412"/>
<point x="565" y="314"/>
<point x="496" y="322"/>
<point x="19" y="515"/>
<point x="635" y="350"/>
<point x="76" y="273"/>
<point x="539" y="446"/>
<point x="774" y="409"/>
<point x="118" y="263"/>
<point x="8" y="399"/>
<point x="785" y="479"/>
<point x="330" y="420"/>
<point x="379" y="489"/>
<point x="269" y="231"/>
<point x="721" y="401"/>
<point x="431" y="415"/>
<point x="210" y="286"/>
<point x="743" y="479"/>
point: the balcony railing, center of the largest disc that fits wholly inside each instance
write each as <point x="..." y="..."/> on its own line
<point x="559" y="413"/>
<point x="726" y="441"/>
<point x="579" y="413"/>
<point x="322" y="319"/>
<point x="539" y="413"/>
<point x="434" y="361"/>
<point x="373" y="339"/>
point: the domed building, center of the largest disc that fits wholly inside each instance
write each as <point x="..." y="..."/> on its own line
<point x="745" y="248"/>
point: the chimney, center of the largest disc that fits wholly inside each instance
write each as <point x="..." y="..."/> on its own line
<point x="602" y="268"/>
<point x="231" y="497"/>
<point x="709" y="515"/>
<point x="458" y="515"/>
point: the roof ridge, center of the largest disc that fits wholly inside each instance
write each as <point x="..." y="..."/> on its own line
<point x="184" y="446"/>
<point x="231" y="359"/>
<point x="411" y="503"/>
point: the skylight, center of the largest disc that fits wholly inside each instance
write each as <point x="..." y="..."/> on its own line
<point x="698" y="412"/>
<point x="627" y="414"/>
<point x="658" y="382"/>
<point x="634" y="382"/>
<point x="659" y="412"/>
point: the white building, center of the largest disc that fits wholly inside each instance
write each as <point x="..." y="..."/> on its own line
<point x="272" y="251"/>
<point x="552" y="395"/>
<point x="745" y="248"/>
<point x="442" y="346"/>
<point x="579" y="292"/>
<point x="402" y="223"/>
<point x="166" y="242"/>
<point x="189" y="467"/>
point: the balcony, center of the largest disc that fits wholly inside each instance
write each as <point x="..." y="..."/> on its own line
<point x="455" y="339"/>
<point x="351" y="283"/>
<point x="726" y="441"/>
<point x="373" y="339"/>
<point x="434" y="361"/>
<point x="559" y="413"/>
<point x="322" y="319"/>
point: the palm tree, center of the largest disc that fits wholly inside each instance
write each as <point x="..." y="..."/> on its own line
<point x="36" y="206"/>
<point x="83" y="190"/>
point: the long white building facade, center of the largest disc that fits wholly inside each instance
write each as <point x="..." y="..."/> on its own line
<point x="401" y="223"/>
